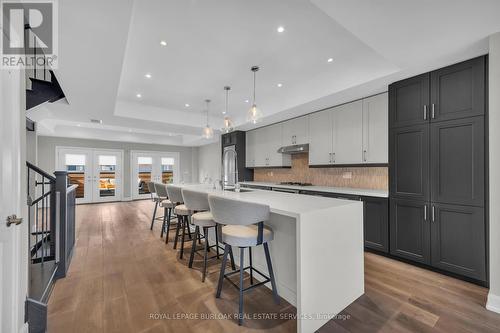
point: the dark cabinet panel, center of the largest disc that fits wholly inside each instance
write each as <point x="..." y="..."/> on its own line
<point x="409" y="230"/>
<point x="458" y="91"/>
<point x="409" y="162"/>
<point x="376" y="223"/>
<point x="458" y="240"/>
<point x="409" y="101"/>
<point x="457" y="161"/>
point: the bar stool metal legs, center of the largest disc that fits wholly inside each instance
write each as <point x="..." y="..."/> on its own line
<point x="182" y="223"/>
<point x="206" y="250"/>
<point x="154" y="215"/>
<point x="242" y="268"/>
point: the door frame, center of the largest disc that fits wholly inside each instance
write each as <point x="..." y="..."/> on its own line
<point x="14" y="239"/>
<point x="118" y="176"/>
<point x="153" y="154"/>
<point x="92" y="152"/>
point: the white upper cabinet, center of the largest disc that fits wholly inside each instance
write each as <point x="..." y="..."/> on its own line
<point x="320" y="138"/>
<point x="250" y="149"/>
<point x="352" y="133"/>
<point x="266" y="142"/>
<point x="348" y="133"/>
<point x="295" y="131"/>
<point x="375" y="129"/>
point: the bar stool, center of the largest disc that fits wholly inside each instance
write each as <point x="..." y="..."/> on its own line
<point x="183" y="213"/>
<point x="244" y="228"/>
<point x="167" y="205"/>
<point x="197" y="202"/>
<point x="155" y="199"/>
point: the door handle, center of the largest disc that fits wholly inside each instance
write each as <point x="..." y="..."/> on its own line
<point x="425" y="112"/>
<point x="364" y="155"/>
<point x="433" y="214"/>
<point x="433" y="115"/>
<point x="13" y="219"/>
<point x="333" y="157"/>
<point x="425" y="212"/>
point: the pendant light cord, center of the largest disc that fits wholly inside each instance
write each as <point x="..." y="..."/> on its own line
<point x="254" y="75"/>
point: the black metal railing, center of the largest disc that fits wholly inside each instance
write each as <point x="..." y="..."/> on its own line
<point x="42" y="215"/>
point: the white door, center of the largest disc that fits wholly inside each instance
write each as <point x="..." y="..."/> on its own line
<point x="13" y="239"/>
<point x="376" y="129"/>
<point x="98" y="173"/>
<point x="107" y="176"/>
<point x="320" y="138"/>
<point x="78" y="163"/>
<point x="155" y="167"/>
<point x="348" y="133"/>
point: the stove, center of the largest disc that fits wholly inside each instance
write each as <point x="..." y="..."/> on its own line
<point x="295" y="184"/>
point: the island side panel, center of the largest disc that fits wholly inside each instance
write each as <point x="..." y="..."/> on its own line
<point x="330" y="268"/>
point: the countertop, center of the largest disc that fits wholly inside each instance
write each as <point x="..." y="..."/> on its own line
<point x="289" y="204"/>
<point x="326" y="189"/>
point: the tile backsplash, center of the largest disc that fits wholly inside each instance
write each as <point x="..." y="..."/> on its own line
<point x="376" y="178"/>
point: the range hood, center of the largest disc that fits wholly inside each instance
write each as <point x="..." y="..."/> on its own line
<point x="295" y="149"/>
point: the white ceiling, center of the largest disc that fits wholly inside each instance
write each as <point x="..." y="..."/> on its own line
<point x="106" y="48"/>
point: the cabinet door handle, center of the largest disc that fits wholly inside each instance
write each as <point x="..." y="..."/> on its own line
<point x="425" y="212"/>
<point x="425" y="112"/>
<point x="364" y="155"/>
<point x="433" y="214"/>
<point x="333" y="157"/>
<point x="433" y="114"/>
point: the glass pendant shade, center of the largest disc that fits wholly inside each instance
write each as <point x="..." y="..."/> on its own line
<point x="208" y="132"/>
<point x="228" y="125"/>
<point x="254" y="115"/>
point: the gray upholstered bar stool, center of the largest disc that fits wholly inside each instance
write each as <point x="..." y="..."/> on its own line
<point x="244" y="228"/>
<point x="183" y="214"/>
<point x="167" y="205"/>
<point x="197" y="202"/>
<point x="156" y="199"/>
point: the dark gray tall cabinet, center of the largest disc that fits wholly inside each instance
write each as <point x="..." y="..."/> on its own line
<point x="437" y="169"/>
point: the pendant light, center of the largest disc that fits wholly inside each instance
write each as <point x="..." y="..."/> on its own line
<point x="228" y="123"/>
<point x="208" y="132"/>
<point x="254" y="115"/>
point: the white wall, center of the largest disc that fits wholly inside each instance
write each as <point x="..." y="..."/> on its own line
<point x="494" y="174"/>
<point x="47" y="155"/>
<point x="209" y="162"/>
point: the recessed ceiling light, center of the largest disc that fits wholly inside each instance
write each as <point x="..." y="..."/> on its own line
<point x="187" y="105"/>
<point x="78" y="125"/>
<point x="163" y="43"/>
<point x="247" y="101"/>
<point x="280" y="29"/>
<point x="138" y="95"/>
<point x="279" y="85"/>
<point x="130" y="130"/>
<point x="223" y="112"/>
<point x="147" y="75"/>
<point x="330" y="59"/>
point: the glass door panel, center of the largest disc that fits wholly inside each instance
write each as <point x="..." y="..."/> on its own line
<point x="145" y="173"/>
<point x="78" y="164"/>
<point x="107" y="175"/>
<point x="167" y="170"/>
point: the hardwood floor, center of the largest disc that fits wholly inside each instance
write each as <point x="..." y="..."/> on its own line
<point x="123" y="278"/>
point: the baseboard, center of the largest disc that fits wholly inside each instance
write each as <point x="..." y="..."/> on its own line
<point x="24" y="328"/>
<point x="493" y="303"/>
<point x="127" y="199"/>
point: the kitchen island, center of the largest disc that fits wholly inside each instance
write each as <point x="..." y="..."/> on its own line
<point x="317" y="251"/>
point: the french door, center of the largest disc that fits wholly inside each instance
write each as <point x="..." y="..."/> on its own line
<point x="98" y="173"/>
<point x="158" y="167"/>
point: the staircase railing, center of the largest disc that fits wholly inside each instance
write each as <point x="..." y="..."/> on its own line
<point x="51" y="202"/>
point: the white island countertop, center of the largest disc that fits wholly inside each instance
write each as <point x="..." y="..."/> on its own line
<point x="317" y="251"/>
<point x="325" y="189"/>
